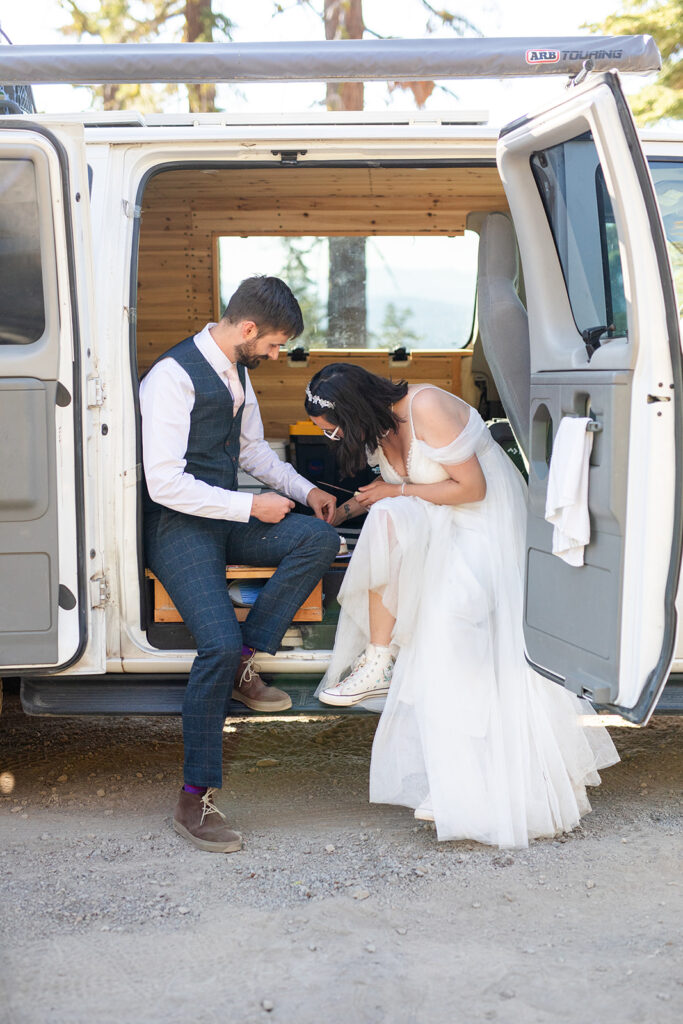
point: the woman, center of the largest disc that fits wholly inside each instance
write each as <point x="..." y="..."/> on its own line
<point x="431" y="617"/>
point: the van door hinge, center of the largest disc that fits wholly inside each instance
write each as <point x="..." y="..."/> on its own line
<point x="95" y="392"/>
<point x="99" y="591"/>
<point x="130" y="209"/>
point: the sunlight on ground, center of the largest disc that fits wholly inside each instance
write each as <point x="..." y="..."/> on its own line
<point x="611" y="720"/>
<point x="6" y="782"/>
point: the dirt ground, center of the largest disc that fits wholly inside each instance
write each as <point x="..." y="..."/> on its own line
<point x="335" y="911"/>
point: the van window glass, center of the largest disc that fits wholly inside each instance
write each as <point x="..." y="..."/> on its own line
<point x="22" y="309"/>
<point x="386" y="292"/>
<point x="576" y="202"/>
<point x="668" y="180"/>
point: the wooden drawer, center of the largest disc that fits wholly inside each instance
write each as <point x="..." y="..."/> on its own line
<point x="165" y="611"/>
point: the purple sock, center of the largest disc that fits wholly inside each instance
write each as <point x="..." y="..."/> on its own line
<point x="247" y="651"/>
<point x="197" y="790"/>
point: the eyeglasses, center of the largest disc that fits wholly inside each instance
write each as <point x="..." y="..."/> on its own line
<point x="332" y="435"/>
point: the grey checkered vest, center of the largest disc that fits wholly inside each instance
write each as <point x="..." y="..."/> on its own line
<point x="213" y="444"/>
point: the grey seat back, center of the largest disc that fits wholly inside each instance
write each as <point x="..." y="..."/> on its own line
<point x="503" y="324"/>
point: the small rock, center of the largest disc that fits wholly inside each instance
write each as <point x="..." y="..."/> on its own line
<point x="138" y="775"/>
<point x="476" y="904"/>
<point x="63" y="778"/>
<point x="45" y="837"/>
<point x="312" y="947"/>
<point x="509" y="897"/>
<point x="267" y="1005"/>
<point x="330" y="848"/>
<point x="183" y="910"/>
<point x="507" y="993"/>
<point x="100" y="792"/>
<point x="361" y="894"/>
<point x="370" y="947"/>
<point x="590" y="884"/>
<point x="159" y="776"/>
<point x="664" y="995"/>
<point x="402" y="931"/>
<point x="267" y="762"/>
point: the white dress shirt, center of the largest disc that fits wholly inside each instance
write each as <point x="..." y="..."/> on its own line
<point x="166" y="402"/>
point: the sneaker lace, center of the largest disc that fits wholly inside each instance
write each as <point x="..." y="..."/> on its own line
<point x="209" y="807"/>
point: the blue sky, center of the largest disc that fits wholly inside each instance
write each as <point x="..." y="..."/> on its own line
<point x="38" y="21"/>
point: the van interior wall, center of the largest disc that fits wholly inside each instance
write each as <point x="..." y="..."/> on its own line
<point x="185" y="210"/>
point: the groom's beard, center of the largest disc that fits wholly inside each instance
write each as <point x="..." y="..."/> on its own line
<point x="246" y="355"/>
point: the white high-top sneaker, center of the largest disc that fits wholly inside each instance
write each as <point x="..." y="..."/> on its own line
<point x="369" y="677"/>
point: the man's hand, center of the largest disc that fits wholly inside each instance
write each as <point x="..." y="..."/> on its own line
<point x="323" y="504"/>
<point x="270" y="507"/>
<point x="378" y="489"/>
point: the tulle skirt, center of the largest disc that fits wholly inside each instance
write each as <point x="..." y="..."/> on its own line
<point x="501" y="754"/>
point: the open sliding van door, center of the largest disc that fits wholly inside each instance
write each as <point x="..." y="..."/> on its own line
<point x="43" y="252"/>
<point x="604" y="344"/>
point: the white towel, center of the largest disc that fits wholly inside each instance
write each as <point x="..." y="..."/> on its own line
<point x="566" y="505"/>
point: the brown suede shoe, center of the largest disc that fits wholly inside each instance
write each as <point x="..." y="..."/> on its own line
<point x="198" y="819"/>
<point x="250" y="689"/>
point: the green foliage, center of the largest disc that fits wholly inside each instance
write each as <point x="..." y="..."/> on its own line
<point x="395" y="331"/>
<point x="295" y="271"/>
<point x="662" y="20"/>
<point x="143" y="21"/>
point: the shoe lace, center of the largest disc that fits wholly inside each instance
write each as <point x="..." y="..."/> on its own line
<point x="247" y="672"/>
<point x="209" y="807"/>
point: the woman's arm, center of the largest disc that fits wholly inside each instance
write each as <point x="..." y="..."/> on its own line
<point x="438" y="419"/>
<point x="467" y="484"/>
<point x="348" y="510"/>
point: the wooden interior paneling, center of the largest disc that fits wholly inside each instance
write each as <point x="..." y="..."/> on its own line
<point x="280" y="385"/>
<point x="184" y="211"/>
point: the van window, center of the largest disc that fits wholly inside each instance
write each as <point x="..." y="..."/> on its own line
<point x="578" y="207"/>
<point x="668" y="181"/>
<point x="22" y="309"/>
<point x="379" y="292"/>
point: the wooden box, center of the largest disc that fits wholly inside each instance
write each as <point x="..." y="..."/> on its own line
<point x="310" y="611"/>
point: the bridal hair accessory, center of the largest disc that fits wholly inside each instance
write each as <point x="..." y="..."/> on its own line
<point x="317" y="400"/>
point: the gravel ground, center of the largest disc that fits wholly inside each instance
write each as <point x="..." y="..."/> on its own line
<point x="335" y="911"/>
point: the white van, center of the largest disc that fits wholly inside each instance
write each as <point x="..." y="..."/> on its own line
<point x="116" y="231"/>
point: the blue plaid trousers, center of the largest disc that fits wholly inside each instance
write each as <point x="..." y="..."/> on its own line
<point x="189" y="554"/>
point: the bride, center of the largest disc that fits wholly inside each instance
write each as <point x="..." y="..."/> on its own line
<point x="431" y="619"/>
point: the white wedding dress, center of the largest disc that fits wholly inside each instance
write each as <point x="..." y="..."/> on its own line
<point x="500" y="754"/>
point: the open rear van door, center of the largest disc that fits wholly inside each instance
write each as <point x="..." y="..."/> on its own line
<point x="42" y="251"/>
<point x="604" y="344"/>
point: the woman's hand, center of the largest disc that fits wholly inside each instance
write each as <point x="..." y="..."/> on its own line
<point x="378" y="489"/>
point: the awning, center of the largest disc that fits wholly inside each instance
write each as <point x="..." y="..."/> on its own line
<point x="348" y="60"/>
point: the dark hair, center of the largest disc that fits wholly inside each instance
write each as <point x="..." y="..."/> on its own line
<point x="269" y="302"/>
<point x="361" y="406"/>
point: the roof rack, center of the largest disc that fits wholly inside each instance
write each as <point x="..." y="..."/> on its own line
<point x="398" y="60"/>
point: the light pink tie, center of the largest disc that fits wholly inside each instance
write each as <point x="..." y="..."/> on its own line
<point x="236" y="388"/>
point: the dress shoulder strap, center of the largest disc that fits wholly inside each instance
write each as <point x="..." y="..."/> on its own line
<point x="422" y="387"/>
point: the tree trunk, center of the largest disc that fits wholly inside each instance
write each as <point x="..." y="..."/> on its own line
<point x="346" y="303"/>
<point x="199" y="29"/>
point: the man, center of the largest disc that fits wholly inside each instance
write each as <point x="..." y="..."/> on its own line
<point x="200" y="420"/>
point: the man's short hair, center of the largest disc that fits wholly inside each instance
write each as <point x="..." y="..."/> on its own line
<point x="269" y="302"/>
